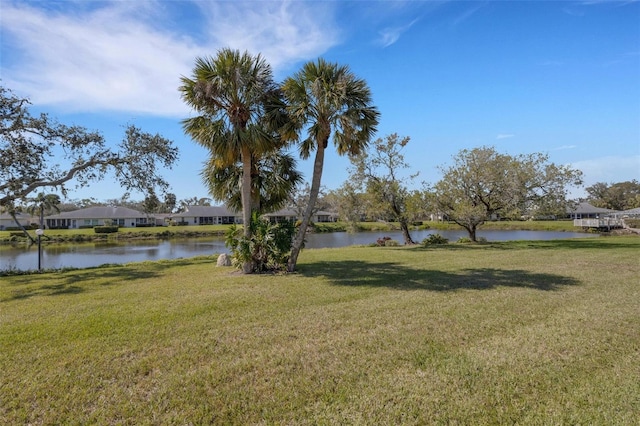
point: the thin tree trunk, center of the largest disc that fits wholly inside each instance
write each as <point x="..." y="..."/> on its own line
<point x="472" y="232"/>
<point x="318" y="164"/>
<point x="247" y="267"/>
<point x="405" y="232"/>
<point x="15" y="219"/>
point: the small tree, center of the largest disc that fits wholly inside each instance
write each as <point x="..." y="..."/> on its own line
<point x="378" y="172"/>
<point x="299" y="200"/>
<point x="349" y="203"/>
<point x="483" y="183"/>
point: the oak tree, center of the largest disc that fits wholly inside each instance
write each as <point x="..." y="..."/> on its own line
<point x="38" y="153"/>
<point x="483" y="184"/>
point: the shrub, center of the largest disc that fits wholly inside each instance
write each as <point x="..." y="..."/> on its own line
<point x="381" y="242"/>
<point x="391" y="243"/>
<point x="633" y="223"/>
<point x="434" y="239"/>
<point x="268" y="248"/>
<point x="105" y="229"/>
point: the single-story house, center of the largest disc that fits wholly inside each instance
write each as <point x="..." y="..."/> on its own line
<point x="283" y="215"/>
<point x="290" y="215"/>
<point x="6" y="221"/>
<point x="207" y="215"/>
<point x="96" y="216"/>
<point x="220" y="215"/>
<point x="585" y="210"/>
<point x="632" y="213"/>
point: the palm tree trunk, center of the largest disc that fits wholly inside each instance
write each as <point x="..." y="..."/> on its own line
<point x="318" y="165"/>
<point x="247" y="267"/>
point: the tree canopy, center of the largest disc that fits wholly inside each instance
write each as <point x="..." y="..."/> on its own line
<point x="37" y="152"/>
<point x="483" y="183"/>
<point x="615" y="196"/>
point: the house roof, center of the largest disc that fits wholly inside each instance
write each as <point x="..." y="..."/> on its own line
<point x="23" y="216"/>
<point x="586" y="208"/>
<point x="283" y="212"/>
<point x="632" y="212"/>
<point x="206" y="211"/>
<point x="100" y="212"/>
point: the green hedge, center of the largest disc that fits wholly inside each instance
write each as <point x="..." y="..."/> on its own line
<point x="105" y="229"/>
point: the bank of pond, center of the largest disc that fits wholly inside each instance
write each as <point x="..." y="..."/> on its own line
<point x="22" y="256"/>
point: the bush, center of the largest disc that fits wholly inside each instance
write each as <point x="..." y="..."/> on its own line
<point x="434" y="239"/>
<point x="268" y="248"/>
<point x="381" y="242"/>
<point x="633" y="223"/>
<point x="391" y="243"/>
<point x="105" y="229"/>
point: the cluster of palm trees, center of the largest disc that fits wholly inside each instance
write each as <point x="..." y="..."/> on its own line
<point x="246" y="120"/>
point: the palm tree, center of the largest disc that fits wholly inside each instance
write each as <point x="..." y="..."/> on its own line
<point x="42" y="203"/>
<point x="274" y="178"/>
<point x="327" y="98"/>
<point x="239" y="109"/>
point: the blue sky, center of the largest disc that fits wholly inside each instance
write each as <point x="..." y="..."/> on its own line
<point x="562" y="78"/>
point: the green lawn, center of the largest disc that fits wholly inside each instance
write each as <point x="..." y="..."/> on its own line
<point x="543" y="332"/>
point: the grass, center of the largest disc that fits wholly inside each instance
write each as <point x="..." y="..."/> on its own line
<point x="502" y="333"/>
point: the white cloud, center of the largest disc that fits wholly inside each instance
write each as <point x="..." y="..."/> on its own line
<point x="610" y="169"/>
<point x="119" y="57"/>
<point x="505" y="136"/>
<point x="565" y="147"/>
<point x="467" y="14"/>
<point x="390" y="35"/>
<point x="284" y="32"/>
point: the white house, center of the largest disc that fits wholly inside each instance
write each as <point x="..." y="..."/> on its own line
<point x="290" y="215"/>
<point x="6" y="221"/>
<point x="587" y="211"/>
<point x="96" y="216"/>
<point x="207" y="215"/>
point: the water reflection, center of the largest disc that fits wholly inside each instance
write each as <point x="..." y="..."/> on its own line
<point x="86" y="255"/>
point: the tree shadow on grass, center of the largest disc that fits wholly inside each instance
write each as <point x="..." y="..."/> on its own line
<point x="82" y="280"/>
<point x="402" y="277"/>
<point x="594" y="243"/>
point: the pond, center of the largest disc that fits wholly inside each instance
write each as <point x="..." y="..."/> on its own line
<point x="86" y="255"/>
